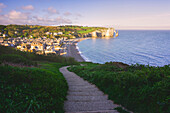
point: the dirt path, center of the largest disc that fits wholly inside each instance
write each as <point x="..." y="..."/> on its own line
<point x="84" y="97"/>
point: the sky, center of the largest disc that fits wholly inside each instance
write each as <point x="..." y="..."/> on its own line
<point x="120" y="14"/>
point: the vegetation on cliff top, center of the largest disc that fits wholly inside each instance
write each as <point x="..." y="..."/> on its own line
<point x="40" y="31"/>
<point x="139" y="88"/>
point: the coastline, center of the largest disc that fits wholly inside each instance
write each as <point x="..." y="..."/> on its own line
<point x="72" y="50"/>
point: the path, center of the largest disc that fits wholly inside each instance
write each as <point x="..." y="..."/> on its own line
<point x="84" y="97"/>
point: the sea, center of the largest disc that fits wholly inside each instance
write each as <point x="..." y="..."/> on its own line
<point x="148" y="47"/>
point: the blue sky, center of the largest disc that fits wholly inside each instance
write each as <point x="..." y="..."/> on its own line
<point x="121" y="14"/>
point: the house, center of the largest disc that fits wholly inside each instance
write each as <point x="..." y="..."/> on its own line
<point x="7" y="44"/>
<point x="55" y="34"/>
<point x="16" y="32"/>
<point x="60" y="33"/>
<point x="1" y="39"/>
<point x="49" y="50"/>
<point x="31" y="36"/>
<point x="48" y="33"/>
<point x="57" y="48"/>
<point x="5" y="35"/>
<point x="40" y="46"/>
<point x="19" y="47"/>
<point x="72" y="37"/>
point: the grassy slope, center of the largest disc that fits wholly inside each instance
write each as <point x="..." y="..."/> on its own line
<point x="139" y="88"/>
<point x="32" y="89"/>
<point x="36" y="89"/>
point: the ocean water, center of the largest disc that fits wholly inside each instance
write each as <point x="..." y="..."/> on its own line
<point x="130" y="47"/>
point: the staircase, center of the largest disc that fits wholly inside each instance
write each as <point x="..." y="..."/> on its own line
<point x="84" y="97"/>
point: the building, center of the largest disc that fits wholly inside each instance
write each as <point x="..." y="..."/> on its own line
<point x="16" y="32"/>
<point x="60" y="33"/>
<point x="55" y="34"/>
<point x="48" y="33"/>
<point x="1" y="39"/>
<point x="5" y="35"/>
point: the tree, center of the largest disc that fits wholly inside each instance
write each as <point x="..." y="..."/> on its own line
<point x="48" y="36"/>
<point x="11" y="34"/>
<point x="25" y="34"/>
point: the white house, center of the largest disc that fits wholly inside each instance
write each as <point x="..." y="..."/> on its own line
<point x="48" y="33"/>
<point x="60" y="33"/>
<point x="5" y="35"/>
<point x="1" y="40"/>
<point x="55" y="34"/>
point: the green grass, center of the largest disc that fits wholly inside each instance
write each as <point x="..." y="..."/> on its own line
<point x="32" y="89"/>
<point x="87" y="31"/>
<point x="139" y="88"/>
<point x="17" y="59"/>
<point x="41" y="89"/>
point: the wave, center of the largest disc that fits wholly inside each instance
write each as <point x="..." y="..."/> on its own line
<point x="85" y="58"/>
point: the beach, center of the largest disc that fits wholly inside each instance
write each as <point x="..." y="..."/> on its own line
<point x="72" y="51"/>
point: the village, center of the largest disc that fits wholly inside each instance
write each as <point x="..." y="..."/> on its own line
<point x="44" y="40"/>
<point x="41" y="45"/>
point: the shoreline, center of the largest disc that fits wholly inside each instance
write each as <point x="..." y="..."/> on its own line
<point x="72" y="50"/>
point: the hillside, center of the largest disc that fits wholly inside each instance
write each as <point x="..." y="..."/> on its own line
<point x="30" y="82"/>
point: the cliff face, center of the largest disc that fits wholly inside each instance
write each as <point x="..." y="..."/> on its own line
<point x="103" y="33"/>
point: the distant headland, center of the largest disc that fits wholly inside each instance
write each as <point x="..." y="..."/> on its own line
<point x="69" y="31"/>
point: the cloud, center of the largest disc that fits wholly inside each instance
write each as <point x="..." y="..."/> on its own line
<point x="2" y="6"/>
<point x="28" y="7"/>
<point x="61" y="20"/>
<point x="51" y="21"/>
<point x="67" y="13"/>
<point x="16" y="15"/>
<point x="38" y="18"/>
<point x="19" y="17"/>
<point x="52" y="10"/>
